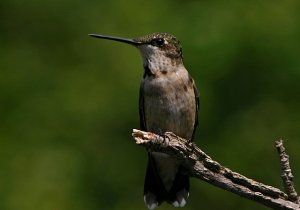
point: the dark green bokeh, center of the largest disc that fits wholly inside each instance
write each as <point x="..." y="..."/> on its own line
<point x="69" y="102"/>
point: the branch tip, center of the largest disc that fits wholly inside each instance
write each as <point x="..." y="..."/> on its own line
<point x="286" y="172"/>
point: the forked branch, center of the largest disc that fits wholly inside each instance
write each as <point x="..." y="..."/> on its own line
<point x="201" y="166"/>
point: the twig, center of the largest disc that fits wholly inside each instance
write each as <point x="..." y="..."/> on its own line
<point x="286" y="175"/>
<point x="201" y="166"/>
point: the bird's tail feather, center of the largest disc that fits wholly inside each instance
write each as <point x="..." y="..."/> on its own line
<point x="155" y="192"/>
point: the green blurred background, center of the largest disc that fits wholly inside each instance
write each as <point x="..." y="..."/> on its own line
<point x="68" y="102"/>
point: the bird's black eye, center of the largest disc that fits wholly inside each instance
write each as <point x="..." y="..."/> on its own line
<point x="158" y="42"/>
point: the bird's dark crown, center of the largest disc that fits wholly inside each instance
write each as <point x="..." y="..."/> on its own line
<point x="164" y="41"/>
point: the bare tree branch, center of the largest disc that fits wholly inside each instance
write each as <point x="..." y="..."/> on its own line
<point x="286" y="175"/>
<point x="201" y="166"/>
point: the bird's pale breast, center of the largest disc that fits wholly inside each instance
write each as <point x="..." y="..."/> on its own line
<point x="169" y="104"/>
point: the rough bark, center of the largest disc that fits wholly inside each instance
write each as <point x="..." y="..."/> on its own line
<point x="203" y="167"/>
<point x="286" y="173"/>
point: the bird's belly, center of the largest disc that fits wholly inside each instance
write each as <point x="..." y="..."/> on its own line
<point x="170" y="109"/>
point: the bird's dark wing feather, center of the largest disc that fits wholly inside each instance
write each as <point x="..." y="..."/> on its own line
<point x="141" y="109"/>
<point x="197" y="100"/>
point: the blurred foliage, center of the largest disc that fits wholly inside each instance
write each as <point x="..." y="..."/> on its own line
<point x="69" y="102"/>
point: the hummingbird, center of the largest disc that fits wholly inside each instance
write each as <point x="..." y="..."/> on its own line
<point x="168" y="101"/>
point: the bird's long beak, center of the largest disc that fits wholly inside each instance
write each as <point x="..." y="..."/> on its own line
<point x="128" y="41"/>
